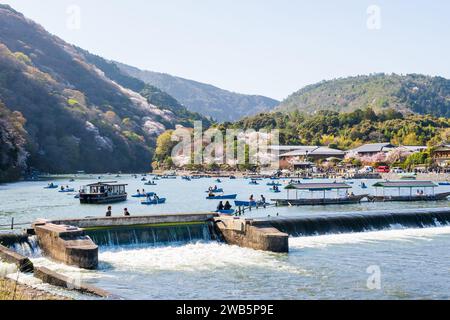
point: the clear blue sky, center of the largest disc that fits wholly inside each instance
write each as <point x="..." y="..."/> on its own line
<point x="268" y="47"/>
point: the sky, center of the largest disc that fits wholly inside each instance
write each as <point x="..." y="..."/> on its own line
<point x="267" y="47"/>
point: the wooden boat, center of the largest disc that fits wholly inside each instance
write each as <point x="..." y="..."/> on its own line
<point x="67" y="190"/>
<point x="150" y="183"/>
<point x="51" y="186"/>
<point x="274" y="190"/>
<point x="420" y="186"/>
<point x="320" y="201"/>
<point x="322" y="188"/>
<point x="169" y="177"/>
<point x="186" y="178"/>
<point x="446" y="183"/>
<point x="150" y="202"/>
<point x="254" y="182"/>
<point x="103" y="192"/>
<point x="222" y="197"/>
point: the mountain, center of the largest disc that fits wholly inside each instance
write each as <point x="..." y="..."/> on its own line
<point x="412" y="93"/>
<point x="12" y="145"/>
<point x="78" y="111"/>
<point x="208" y="100"/>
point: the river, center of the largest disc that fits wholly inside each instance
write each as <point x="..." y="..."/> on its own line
<point x="405" y="263"/>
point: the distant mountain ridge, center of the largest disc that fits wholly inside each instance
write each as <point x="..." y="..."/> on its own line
<point x="412" y="93"/>
<point x="205" y="99"/>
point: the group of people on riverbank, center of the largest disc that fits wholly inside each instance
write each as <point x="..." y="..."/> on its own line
<point x="126" y="213"/>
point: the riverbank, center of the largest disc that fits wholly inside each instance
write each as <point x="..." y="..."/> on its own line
<point x="11" y="290"/>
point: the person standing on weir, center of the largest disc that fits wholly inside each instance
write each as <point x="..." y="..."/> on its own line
<point x="126" y="213"/>
<point x="109" y="212"/>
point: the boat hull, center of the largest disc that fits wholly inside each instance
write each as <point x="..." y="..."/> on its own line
<point x="226" y="212"/>
<point x="319" y="202"/>
<point x="436" y="197"/>
<point x="226" y="197"/>
<point x="245" y="203"/>
<point x="160" y="201"/>
<point x="99" y="199"/>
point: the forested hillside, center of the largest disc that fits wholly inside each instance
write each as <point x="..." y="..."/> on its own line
<point x="79" y="111"/>
<point x="412" y="93"/>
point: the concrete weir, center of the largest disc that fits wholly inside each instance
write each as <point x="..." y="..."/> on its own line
<point x="23" y="263"/>
<point x="67" y="244"/>
<point x="75" y="241"/>
<point x="244" y="233"/>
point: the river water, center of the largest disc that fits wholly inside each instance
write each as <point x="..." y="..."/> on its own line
<point x="390" y="264"/>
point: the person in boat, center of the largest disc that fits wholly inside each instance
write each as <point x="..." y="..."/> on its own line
<point x="227" y="206"/>
<point x="126" y="213"/>
<point x="138" y="192"/>
<point x="252" y="199"/>
<point x="215" y="188"/>
<point x="109" y="212"/>
<point x="220" y="207"/>
<point x="155" y="197"/>
<point x="62" y="188"/>
<point x="143" y="191"/>
<point x="211" y="194"/>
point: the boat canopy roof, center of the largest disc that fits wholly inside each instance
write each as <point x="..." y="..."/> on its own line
<point x="405" y="184"/>
<point x="319" y="186"/>
<point x="107" y="183"/>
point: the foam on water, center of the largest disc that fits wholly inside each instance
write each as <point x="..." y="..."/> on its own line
<point x="7" y="268"/>
<point x="200" y="256"/>
<point x="395" y="234"/>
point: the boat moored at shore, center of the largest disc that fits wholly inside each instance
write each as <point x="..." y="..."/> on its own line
<point x="416" y="191"/>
